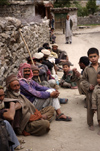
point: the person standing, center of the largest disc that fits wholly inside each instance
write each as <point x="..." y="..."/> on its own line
<point x="52" y="22"/>
<point x="68" y="28"/>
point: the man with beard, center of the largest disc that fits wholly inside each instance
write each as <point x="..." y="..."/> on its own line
<point x="39" y="95"/>
<point x="29" y="121"/>
<point x="7" y="134"/>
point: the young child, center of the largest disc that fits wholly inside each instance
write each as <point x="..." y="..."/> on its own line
<point x="96" y="99"/>
<point x="52" y="36"/>
<point x="66" y="79"/>
<point x="89" y="81"/>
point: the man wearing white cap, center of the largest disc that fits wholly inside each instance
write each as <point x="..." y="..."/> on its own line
<point x="62" y="55"/>
<point x="49" y="64"/>
<point x="44" y="72"/>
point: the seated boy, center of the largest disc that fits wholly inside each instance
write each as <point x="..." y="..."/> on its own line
<point x="96" y="99"/>
<point x="89" y="80"/>
<point x="66" y="79"/>
<point x="52" y="36"/>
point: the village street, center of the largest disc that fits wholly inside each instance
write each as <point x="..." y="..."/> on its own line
<point x="75" y="135"/>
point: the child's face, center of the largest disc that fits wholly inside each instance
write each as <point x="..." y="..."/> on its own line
<point x="65" y="68"/>
<point x="35" y="73"/>
<point x="93" y="58"/>
<point x="98" y="79"/>
<point x="52" y="30"/>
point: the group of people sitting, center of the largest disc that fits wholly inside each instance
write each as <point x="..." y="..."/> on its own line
<point x="28" y="105"/>
<point x="31" y="96"/>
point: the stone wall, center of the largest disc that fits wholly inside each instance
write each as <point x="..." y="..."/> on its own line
<point x="89" y="20"/>
<point x="12" y="48"/>
<point x="18" y="10"/>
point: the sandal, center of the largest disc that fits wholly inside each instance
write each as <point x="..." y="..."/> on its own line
<point x="19" y="147"/>
<point x="63" y="101"/>
<point x="67" y="119"/>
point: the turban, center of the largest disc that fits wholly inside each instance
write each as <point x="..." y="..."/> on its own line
<point x="23" y="66"/>
<point x="10" y="79"/>
<point x="46" y="52"/>
<point x="38" y="55"/>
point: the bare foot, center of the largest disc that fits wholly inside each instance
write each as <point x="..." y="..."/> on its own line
<point x="91" y="128"/>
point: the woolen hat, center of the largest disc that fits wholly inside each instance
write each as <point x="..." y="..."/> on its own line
<point x="10" y="79"/>
<point x="38" y="55"/>
<point x="34" y="68"/>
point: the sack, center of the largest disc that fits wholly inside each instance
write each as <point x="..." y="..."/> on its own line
<point x="36" y="116"/>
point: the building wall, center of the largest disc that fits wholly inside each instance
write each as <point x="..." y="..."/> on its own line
<point x="12" y="48"/>
<point x="61" y="17"/>
<point x="18" y="10"/>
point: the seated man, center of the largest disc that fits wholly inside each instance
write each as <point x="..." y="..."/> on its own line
<point x="77" y="76"/>
<point x="29" y="120"/>
<point x="40" y="96"/>
<point x="62" y="55"/>
<point x="7" y="131"/>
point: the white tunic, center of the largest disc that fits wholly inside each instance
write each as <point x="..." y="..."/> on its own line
<point x="68" y="32"/>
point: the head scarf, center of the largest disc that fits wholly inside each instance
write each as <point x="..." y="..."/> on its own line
<point x="21" y="71"/>
<point x="10" y="79"/>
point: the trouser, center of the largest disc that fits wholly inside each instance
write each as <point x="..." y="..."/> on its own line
<point x="69" y="39"/>
<point x="90" y="112"/>
<point x="65" y="84"/>
<point x="48" y="111"/>
<point x="79" y="87"/>
<point x="12" y="135"/>
<point x="38" y="128"/>
<point x="41" y="103"/>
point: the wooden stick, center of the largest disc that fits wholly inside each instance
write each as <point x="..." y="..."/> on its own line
<point x="26" y="46"/>
<point x="28" y="50"/>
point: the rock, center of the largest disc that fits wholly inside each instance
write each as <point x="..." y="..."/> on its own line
<point x="13" y="51"/>
<point x="14" y="21"/>
<point x="2" y="71"/>
<point x="6" y="36"/>
<point x="1" y="44"/>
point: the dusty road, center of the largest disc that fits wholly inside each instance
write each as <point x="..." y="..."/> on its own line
<point x="71" y="136"/>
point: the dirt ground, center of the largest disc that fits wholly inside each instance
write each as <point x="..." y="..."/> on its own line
<point x="75" y="135"/>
